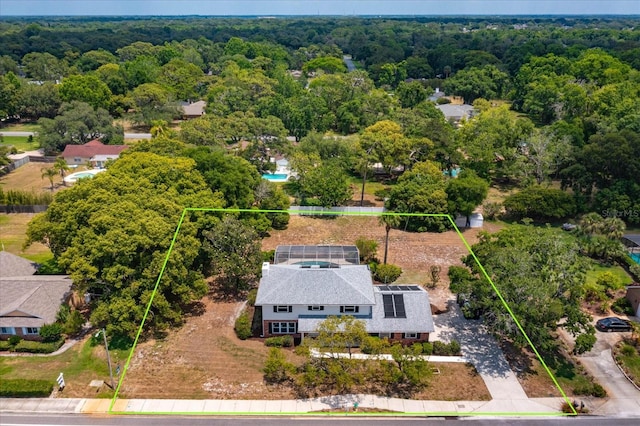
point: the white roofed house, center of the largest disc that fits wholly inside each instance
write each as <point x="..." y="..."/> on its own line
<point x="306" y="284"/>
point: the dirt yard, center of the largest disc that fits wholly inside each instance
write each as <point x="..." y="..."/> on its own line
<point x="413" y="252"/>
<point x="29" y="178"/>
<point x="205" y="359"/>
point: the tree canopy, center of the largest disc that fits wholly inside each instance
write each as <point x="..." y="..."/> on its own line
<point x="112" y="233"/>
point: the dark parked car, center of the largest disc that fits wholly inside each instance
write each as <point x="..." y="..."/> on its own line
<point x="613" y="324"/>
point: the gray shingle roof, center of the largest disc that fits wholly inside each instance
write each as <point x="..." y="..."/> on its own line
<point x="292" y="285"/>
<point x="32" y="301"/>
<point x="418" y="320"/>
<point x="455" y="111"/>
<point x="633" y="238"/>
<point x="15" y="266"/>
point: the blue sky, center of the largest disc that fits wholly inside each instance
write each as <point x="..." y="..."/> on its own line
<point x="317" y="7"/>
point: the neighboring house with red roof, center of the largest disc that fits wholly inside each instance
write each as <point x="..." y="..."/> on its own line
<point x="28" y="301"/>
<point x="93" y="152"/>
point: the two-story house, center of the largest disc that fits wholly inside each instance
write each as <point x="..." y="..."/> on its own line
<point x="296" y="293"/>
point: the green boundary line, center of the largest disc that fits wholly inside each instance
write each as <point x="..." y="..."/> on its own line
<point x="332" y="213"/>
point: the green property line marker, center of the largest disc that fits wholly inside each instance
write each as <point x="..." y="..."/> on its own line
<point x="332" y="213"/>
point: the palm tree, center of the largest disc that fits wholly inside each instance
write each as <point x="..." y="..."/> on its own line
<point x="591" y="224"/>
<point x="613" y="228"/>
<point x="60" y="166"/>
<point x="49" y="173"/>
<point x="159" y="128"/>
<point x="389" y="221"/>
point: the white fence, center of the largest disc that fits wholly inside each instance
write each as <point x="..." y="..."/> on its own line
<point x="313" y="210"/>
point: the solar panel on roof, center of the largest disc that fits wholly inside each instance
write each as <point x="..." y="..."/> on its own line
<point x="398" y="302"/>
<point x="414" y="288"/>
<point x="393" y="305"/>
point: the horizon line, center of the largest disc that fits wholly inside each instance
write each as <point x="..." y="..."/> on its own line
<point x="375" y="15"/>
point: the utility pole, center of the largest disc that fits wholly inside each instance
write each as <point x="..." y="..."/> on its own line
<point x="106" y="346"/>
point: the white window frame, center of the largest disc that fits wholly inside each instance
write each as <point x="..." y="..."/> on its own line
<point x="350" y="309"/>
<point x="7" y="330"/>
<point x="284" y="327"/>
<point x="384" y="335"/>
<point x="315" y="308"/>
<point x="410" y="335"/>
<point x="28" y="331"/>
<point x="282" y="308"/>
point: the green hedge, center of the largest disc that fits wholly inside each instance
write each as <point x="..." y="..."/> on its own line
<point x="280" y="341"/>
<point x="243" y="326"/>
<point x="5" y="345"/>
<point x="37" y="347"/>
<point x="22" y="388"/>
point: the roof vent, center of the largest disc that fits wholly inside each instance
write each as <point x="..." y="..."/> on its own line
<point x="265" y="268"/>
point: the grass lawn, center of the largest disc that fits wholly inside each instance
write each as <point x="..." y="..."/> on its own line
<point x="21" y="143"/>
<point x="370" y="187"/>
<point x="617" y="271"/>
<point x="22" y="127"/>
<point x="80" y="364"/>
<point x="13" y="234"/>
<point x="630" y="362"/>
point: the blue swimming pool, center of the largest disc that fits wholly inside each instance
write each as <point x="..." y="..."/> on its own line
<point x="635" y="257"/>
<point x="276" y="177"/>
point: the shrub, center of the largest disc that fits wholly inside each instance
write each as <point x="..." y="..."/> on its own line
<point x="454" y="348"/>
<point x="22" y="388"/>
<point x="598" y="391"/>
<point x="387" y="273"/>
<point x="584" y="343"/>
<point x="417" y="348"/>
<point x="622" y="306"/>
<point x="268" y="255"/>
<point x="243" y="326"/>
<point x="609" y="281"/>
<point x="540" y="203"/>
<point x="434" y="271"/>
<point x="276" y="368"/>
<point x="4" y="345"/>
<point x="491" y="209"/>
<point x="593" y="389"/>
<point x="279" y="341"/>
<point x="38" y="347"/>
<point x="74" y="323"/>
<point x="251" y="297"/>
<point x="382" y="194"/>
<point x="50" y="332"/>
<point x="374" y="345"/>
<point x="14" y="340"/>
<point x="367" y="249"/>
<point x="635" y="271"/>
<point x="446" y="349"/>
<point x="302" y="350"/>
<point x="427" y="348"/>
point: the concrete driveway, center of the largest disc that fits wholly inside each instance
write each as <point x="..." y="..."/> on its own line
<point x="481" y="349"/>
<point x="624" y="398"/>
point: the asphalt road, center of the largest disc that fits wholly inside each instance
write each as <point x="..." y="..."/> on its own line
<point x="7" y="419"/>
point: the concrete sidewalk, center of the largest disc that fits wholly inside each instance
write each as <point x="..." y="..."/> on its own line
<point x="339" y="404"/>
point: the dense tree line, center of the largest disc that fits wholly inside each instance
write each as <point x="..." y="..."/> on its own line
<point x="557" y="99"/>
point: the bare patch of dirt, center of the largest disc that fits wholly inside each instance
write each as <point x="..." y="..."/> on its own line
<point x="455" y="382"/>
<point x="203" y="360"/>
<point x="29" y="178"/>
